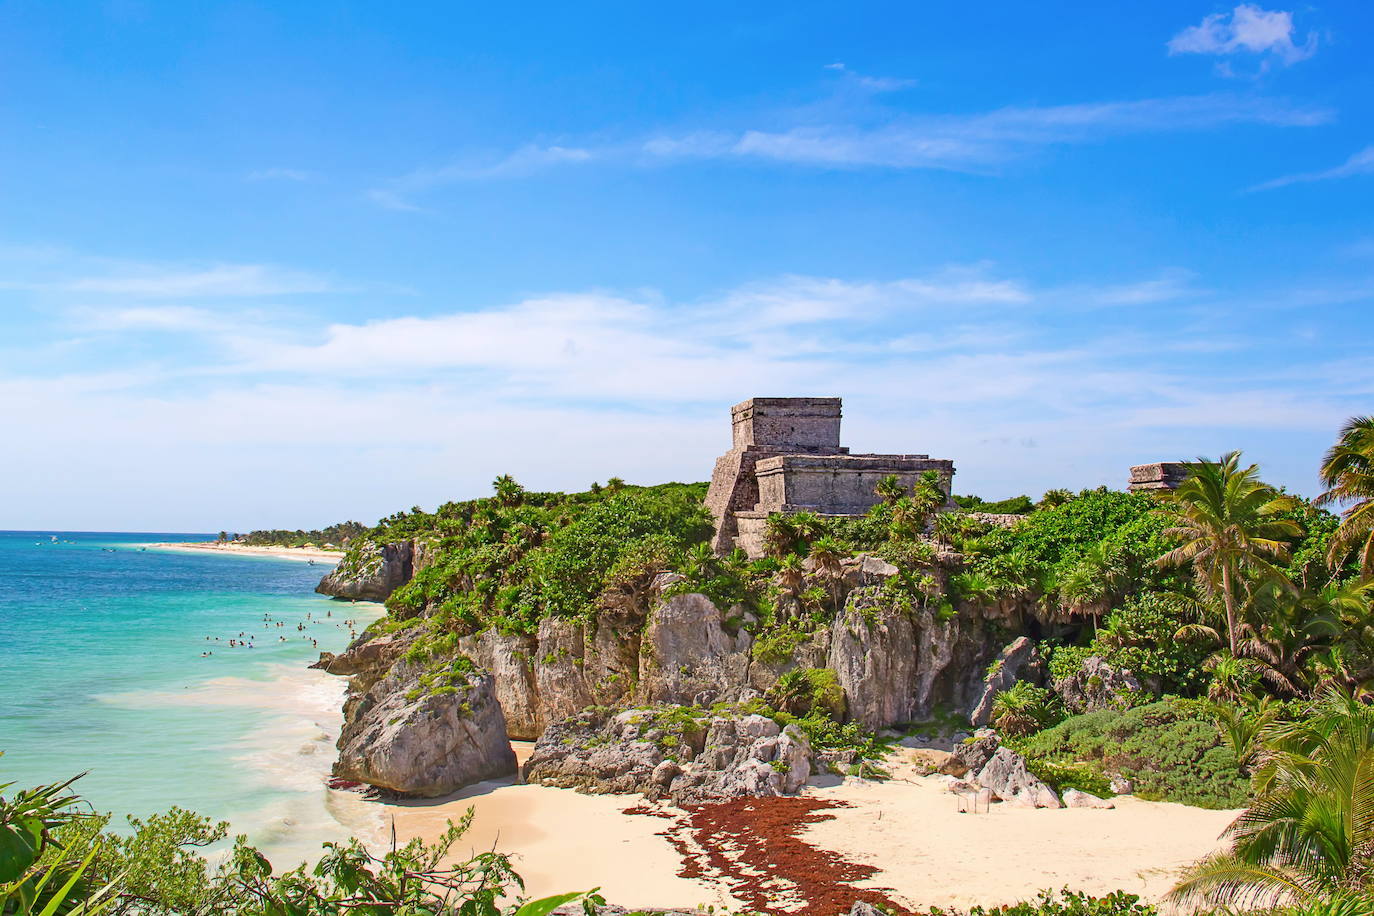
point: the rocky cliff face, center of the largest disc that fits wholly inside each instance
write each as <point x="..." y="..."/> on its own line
<point x="375" y="570"/>
<point x="414" y="738"/>
<point x="893" y="665"/>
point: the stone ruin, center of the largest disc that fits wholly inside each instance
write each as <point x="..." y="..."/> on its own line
<point x="1161" y="475"/>
<point x="786" y="457"/>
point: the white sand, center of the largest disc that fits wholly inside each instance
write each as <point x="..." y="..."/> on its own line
<point x="292" y="553"/>
<point x="931" y="855"/>
<point x="927" y="852"/>
<point x="561" y="840"/>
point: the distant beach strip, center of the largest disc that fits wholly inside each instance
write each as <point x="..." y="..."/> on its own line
<point x="290" y="553"/>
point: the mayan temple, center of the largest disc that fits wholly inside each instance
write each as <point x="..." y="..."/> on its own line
<point x="785" y="456"/>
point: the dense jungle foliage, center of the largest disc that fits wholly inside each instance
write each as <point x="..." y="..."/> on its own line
<point x="339" y="535"/>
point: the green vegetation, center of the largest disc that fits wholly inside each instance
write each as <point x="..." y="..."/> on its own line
<point x="340" y="535"/>
<point x="1308" y="837"/>
<point x="1062" y="903"/>
<point x="510" y="561"/>
<point x="1171" y="749"/>
<point x="55" y="859"/>
<point x="1024" y="709"/>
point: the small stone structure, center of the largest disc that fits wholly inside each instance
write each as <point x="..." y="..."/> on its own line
<point x="786" y="457"/>
<point x="1162" y="475"/>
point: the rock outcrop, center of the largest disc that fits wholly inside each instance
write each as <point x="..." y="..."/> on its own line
<point x="873" y="652"/>
<point x="1096" y="685"/>
<point x="984" y="762"/>
<point x="374" y="571"/>
<point x="511" y="661"/>
<point x="427" y="739"/>
<point x="1019" y="659"/>
<point x="688" y="656"/>
<point x="1006" y="775"/>
<point x="673" y="752"/>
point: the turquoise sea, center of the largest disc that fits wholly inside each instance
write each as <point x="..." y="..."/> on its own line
<point x="115" y="660"/>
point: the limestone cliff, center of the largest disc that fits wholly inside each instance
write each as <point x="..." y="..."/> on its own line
<point x="409" y="735"/>
<point x="374" y="570"/>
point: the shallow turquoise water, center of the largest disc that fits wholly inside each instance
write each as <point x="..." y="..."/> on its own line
<point x="101" y="670"/>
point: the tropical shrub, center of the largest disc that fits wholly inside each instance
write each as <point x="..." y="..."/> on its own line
<point x="1308" y="837"/>
<point x="1171" y="749"/>
<point x="1025" y="708"/>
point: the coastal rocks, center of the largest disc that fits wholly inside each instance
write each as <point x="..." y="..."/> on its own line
<point x="413" y="735"/>
<point x="1096" y="685"/>
<point x="972" y="756"/>
<point x="1073" y="798"/>
<point x="1006" y="775"/>
<point x="672" y="752"/>
<point x="687" y="656"/>
<point x="873" y="653"/>
<point x="560" y="685"/>
<point x="510" y="659"/>
<point x="367" y="658"/>
<point x="1122" y="786"/>
<point x="372" y="572"/>
<point x="1020" y="656"/>
<point x="984" y="762"/>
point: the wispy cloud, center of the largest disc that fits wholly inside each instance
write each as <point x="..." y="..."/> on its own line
<point x="526" y="160"/>
<point x="872" y="83"/>
<point x="636" y="385"/>
<point x="978" y="142"/>
<point x="217" y="280"/>
<point x="1247" y="29"/>
<point x="1362" y="163"/>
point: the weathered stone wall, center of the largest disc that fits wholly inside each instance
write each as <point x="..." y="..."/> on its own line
<point x="794" y="424"/>
<point x="1161" y="475"/>
<point x="838" y="484"/>
<point x="786" y="456"/>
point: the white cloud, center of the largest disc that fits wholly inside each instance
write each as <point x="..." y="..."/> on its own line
<point x="966" y="142"/>
<point x="154" y="318"/>
<point x="523" y="161"/>
<point x="980" y="141"/>
<point x="1247" y="29"/>
<point x="217" y="280"/>
<point x="871" y="83"/>
<point x="306" y="422"/>
<point x="1362" y="163"/>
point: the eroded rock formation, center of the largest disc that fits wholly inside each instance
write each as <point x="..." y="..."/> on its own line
<point x="408" y="737"/>
<point x="672" y="752"/>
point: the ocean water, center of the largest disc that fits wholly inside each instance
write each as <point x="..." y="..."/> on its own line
<point x="115" y="661"/>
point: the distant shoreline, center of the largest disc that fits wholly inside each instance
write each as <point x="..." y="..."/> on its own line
<point x="290" y="553"/>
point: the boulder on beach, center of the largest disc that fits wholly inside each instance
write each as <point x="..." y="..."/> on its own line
<point x="678" y="752"/>
<point x="425" y="733"/>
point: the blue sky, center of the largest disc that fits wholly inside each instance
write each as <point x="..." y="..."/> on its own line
<point x="283" y="264"/>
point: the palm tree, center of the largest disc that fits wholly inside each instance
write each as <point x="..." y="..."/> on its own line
<point x="699" y="563"/>
<point x="1309" y="835"/>
<point x="1348" y="474"/>
<point x="827" y="555"/>
<point x="808" y="525"/>
<point x="929" y="492"/>
<point x="889" y="489"/>
<point x="508" y="492"/>
<point x="1228" y="521"/>
<point x="791" y="575"/>
<point x="1053" y="498"/>
<point x="779" y="536"/>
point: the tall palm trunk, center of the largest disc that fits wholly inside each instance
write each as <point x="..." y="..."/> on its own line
<point x="1231" y="626"/>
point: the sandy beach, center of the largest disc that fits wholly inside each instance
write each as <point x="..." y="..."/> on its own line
<point x="291" y="553"/>
<point x="908" y="828"/>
